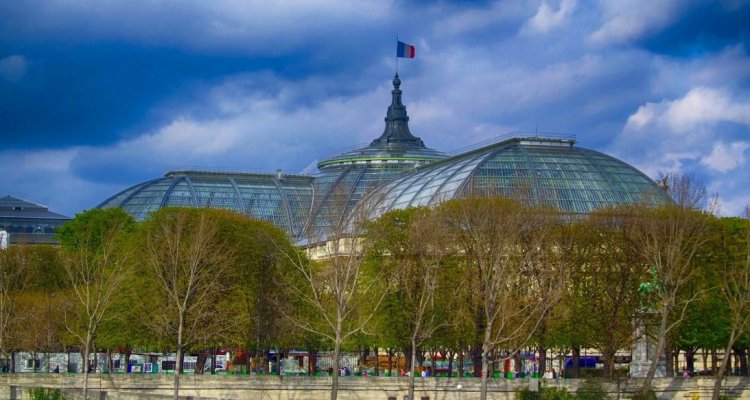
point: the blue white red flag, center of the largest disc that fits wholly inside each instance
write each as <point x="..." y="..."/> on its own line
<point x="406" y="50"/>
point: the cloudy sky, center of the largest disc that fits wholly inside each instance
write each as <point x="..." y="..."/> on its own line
<point x="96" y="96"/>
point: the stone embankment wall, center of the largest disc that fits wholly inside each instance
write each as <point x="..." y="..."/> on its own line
<point x="131" y="387"/>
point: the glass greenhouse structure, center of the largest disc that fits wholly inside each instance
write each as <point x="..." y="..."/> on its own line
<point x="395" y="171"/>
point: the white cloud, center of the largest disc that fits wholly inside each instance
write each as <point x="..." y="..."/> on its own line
<point x="625" y="21"/>
<point x="13" y="68"/>
<point x="695" y="133"/>
<point x="700" y="106"/>
<point x="726" y="158"/>
<point x="547" y="19"/>
<point x="460" y="21"/>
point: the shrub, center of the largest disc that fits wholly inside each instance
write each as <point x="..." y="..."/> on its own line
<point x="45" y="394"/>
<point x="550" y="393"/>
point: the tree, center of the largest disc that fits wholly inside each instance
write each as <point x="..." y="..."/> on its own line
<point x="669" y="238"/>
<point x="407" y="247"/>
<point x="735" y="286"/>
<point x="96" y="264"/>
<point x="255" y="277"/>
<point x="607" y="276"/>
<point x="337" y="297"/>
<point x="14" y="278"/>
<point x="186" y="260"/>
<point x="502" y="243"/>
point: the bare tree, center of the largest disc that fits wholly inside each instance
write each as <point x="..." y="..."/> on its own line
<point x="502" y="243"/>
<point x="338" y="295"/>
<point x="96" y="266"/>
<point x="669" y="238"/>
<point x="735" y="288"/>
<point x="408" y="246"/>
<point x="187" y="260"/>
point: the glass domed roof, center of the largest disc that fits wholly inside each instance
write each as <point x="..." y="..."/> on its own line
<point x="548" y="171"/>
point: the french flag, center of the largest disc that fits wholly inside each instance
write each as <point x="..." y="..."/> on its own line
<point x="406" y="50"/>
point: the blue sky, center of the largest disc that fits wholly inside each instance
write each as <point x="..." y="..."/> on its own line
<point x="96" y="96"/>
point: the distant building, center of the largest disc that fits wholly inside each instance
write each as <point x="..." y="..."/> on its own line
<point x="397" y="170"/>
<point x="28" y="223"/>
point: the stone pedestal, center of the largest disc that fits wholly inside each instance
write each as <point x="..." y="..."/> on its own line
<point x="643" y="351"/>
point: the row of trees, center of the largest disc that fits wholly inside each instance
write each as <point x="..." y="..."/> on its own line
<point x="479" y="278"/>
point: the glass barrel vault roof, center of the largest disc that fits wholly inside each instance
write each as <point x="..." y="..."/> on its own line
<point x="283" y="200"/>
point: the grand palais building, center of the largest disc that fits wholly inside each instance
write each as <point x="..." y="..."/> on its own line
<point x="396" y="171"/>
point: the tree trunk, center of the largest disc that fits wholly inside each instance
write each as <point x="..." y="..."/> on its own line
<point x="742" y="353"/>
<point x="178" y="358"/>
<point x="483" y="380"/>
<point x="377" y="362"/>
<point x="723" y="367"/>
<point x="110" y="362"/>
<point x="690" y="360"/>
<point x="200" y="361"/>
<point x="609" y="358"/>
<point x="461" y="363"/>
<point x="85" y="362"/>
<point x="213" y="359"/>
<point x="450" y="363"/>
<point x="412" y="361"/>
<point x="542" y="360"/>
<point x="576" y="369"/>
<point x="13" y="362"/>
<point x="669" y="358"/>
<point x="128" y="352"/>
<point x="335" y="377"/>
<point x="476" y="357"/>
<point x="714" y="362"/>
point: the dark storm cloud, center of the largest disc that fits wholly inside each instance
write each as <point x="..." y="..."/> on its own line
<point x="702" y="27"/>
<point x="102" y="72"/>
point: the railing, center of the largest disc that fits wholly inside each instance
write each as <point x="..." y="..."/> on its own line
<point x="515" y="135"/>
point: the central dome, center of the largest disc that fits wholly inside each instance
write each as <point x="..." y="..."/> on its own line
<point x="396" y="145"/>
<point x="345" y="178"/>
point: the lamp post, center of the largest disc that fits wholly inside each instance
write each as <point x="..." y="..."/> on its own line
<point x="458" y="388"/>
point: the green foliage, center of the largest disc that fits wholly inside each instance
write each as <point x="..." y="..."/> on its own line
<point x="39" y="393"/>
<point x="91" y="226"/>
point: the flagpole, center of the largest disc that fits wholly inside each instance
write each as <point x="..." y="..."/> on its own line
<point x="396" y="52"/>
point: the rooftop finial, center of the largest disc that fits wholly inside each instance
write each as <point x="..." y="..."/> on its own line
<point x="397" y="121"/>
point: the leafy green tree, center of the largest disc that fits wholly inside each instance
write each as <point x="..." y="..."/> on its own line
<point x="256" y="281"/>
<point x="186" y="261"/>
<point x="96" y="264"/>
<point x="14" y="278"/>
<point x="735" y="286"/>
